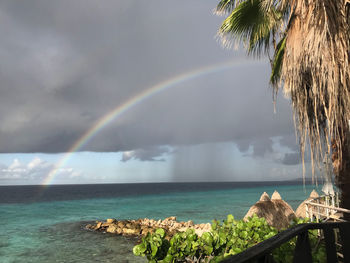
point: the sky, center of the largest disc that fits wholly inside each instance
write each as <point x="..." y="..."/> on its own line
<point x="66" y="65"/>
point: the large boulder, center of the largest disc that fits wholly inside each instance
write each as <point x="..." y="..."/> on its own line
<point x="277" y="212"/>
<point x="301" y="210"/>
<point x="112" y="228"/>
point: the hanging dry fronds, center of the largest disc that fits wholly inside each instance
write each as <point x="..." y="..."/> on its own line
<point x="316" y="75"/>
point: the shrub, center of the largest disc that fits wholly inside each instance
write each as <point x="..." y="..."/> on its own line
<point x="224" y="240"/>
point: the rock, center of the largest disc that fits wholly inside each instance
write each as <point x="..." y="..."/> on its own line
<point x="199" y="232"/>
<point x="144" y="226"/>
<point x="89" y="226"/>
<point x="130" y="231"/>
<point x="171" y="218"/>
<point x="146" y="230"/>
<point x="127" y="231"/>
<point x="182" y="229"/>
<point x="277" y="212"/>
<point x="276" y="196"/>
<point x="112" y="229"/>
<point x="189" y="223"/>
<point x="98" y="226"/>
<point x="177" y="225"/>
<point x="207" y="227"/>
<point x="119" y="231"/>
<point x="120" y="224"/>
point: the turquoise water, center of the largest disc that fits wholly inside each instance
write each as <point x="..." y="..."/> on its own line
<point x="53" y="231"/>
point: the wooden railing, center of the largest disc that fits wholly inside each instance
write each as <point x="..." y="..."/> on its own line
<point x="302" y="253"/>
<point x="324" y="208"/>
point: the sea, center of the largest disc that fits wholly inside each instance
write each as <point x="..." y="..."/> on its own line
<point x="44" y="224"/>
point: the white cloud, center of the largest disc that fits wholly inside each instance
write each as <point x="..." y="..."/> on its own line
<point x="34" y="171"/>
<point x="15" y="164"/>
<point x="36" y="162"/>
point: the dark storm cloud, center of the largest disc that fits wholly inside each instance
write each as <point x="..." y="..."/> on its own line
<point x="291" y="159"/>
<point x="65" y="64"/>
<point x="290" y="141"/>
<point x="262" y="146"/>
<point x="147" y="154"/>
<point x="243" y="145"/>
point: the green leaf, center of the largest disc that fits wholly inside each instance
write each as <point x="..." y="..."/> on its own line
<point x="160" y="232"/>
<point x="276" y="66"/>
<point x="154" y="249"/>
<point x="139" y="250"/>
<point x="168" y="259"/>
<point x="214" y="225"/>
<point x="207" y="238"/>
<point x="208" y="249"/>
<point x="230" y="218"/>
<point x="236" y="250"/>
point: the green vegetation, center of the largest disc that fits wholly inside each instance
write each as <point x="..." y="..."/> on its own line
<point x="224" y="240"/>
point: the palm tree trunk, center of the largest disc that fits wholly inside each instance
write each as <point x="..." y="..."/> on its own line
<point x="342" y="171"/>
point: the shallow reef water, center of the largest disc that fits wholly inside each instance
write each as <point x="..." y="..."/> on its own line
<point x="53" y="230"/>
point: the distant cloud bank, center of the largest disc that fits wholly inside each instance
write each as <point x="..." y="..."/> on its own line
<point x="34" y="171"/>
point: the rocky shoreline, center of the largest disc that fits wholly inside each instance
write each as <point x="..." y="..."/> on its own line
<point x="276" y="211"/>
<point x="141" y="227"/>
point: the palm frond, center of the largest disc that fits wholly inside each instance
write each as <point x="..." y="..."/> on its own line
<point x="225" y="7"/>
<point x="276" y="65"/>
<point x="279" y="5"/>
<point x="316" y="76"/>
<point x="252" y="25"/>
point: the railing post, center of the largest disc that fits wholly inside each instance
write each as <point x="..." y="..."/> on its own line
<point x="302" y="252"/>
<point x="345" y="240"/>
<point x="267" y="258"/>
<point x="331" y="250"/>
<point x="337" y="199"/>
<point x="327" y="204"/>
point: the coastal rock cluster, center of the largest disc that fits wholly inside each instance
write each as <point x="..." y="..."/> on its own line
<point x="277" y="212"/>
<point x="141" y="227"/>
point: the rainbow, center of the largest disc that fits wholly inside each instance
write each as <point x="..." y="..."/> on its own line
<point x="144" y="95"/>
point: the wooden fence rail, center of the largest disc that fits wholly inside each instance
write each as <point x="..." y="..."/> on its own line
<point x="324" y="208"/>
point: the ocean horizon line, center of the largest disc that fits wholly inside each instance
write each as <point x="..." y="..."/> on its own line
<point x="296" y="180"/>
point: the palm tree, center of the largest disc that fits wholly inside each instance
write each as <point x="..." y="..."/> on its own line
<point x="310" y="41"/>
